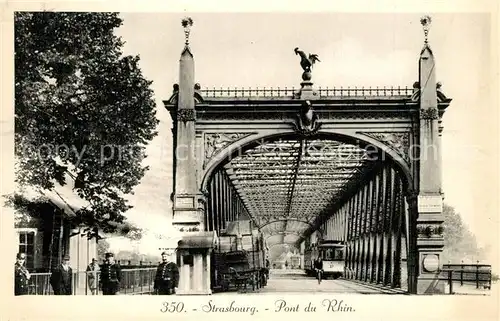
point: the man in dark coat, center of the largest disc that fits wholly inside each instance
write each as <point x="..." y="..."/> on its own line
<point x="61" y="278"/>
<point x="167" y="276"/>
<point x="111" y="276"/>
<point x="21" y="275"/>
<point x="318" y="266"/>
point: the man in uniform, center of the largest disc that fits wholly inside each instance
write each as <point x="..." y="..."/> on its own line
<point x="167" y="276"/>
<point x="21" y="275"/>
<point x="111" y="276"/>
<point x="61" y="278"/>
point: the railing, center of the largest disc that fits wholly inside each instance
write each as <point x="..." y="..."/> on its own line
<point x="138" y="281"/>
<point x="291" y="92"/>
<point x="366" y="92"/>
<point x="247" y="92"/>
<point x="134" y="281"/>
<point x="478" y="275"/>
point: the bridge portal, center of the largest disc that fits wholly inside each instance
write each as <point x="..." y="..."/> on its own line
<point x="358" y="165"/>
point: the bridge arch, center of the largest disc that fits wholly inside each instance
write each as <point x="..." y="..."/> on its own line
<point x="380" y="152"/>
<point x="239" y="147"/>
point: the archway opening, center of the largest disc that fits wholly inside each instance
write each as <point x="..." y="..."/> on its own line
<point x="289" y="188"/>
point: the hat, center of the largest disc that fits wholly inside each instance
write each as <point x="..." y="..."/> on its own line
<point x="21" y="256"/>
<point x="66" y="258"/>
<point x="109" y="255"/>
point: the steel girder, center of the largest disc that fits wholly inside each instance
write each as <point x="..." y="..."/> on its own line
<point x="286" y="184"/>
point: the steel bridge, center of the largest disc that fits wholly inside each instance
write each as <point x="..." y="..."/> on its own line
<point x="362" y="165"/>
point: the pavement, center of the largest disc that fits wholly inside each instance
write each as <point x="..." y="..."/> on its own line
<point x="296" y="282"/>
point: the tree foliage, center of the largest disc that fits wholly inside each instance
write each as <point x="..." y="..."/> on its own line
<point x="82" y="109"/>
<point x="135" y="257"/>
<point x="460" y="243"/>
<point x="102" y="249"/>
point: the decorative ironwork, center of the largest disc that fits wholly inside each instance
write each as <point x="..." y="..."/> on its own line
<point x="399" y="142"/>
<point x="313" y="172"/>
<point x="306" y="62"/>
<point x="287" y="116"/>
<point x="185" y="115"/>
<point x="429" y="113"/>
<point x="189" y="229"/>
<point x="215" y="142"/>
<point x="430" y="231"/>
<point x="396" y="92"/>
<point x="187" y="23"/>
<point x="306" y="123"/>
<point x="426" y="24"/>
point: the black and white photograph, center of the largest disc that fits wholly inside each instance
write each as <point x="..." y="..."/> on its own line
<point x="252" y="155"/>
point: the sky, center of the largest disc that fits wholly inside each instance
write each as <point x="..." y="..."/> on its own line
<point x="256" y="50"/>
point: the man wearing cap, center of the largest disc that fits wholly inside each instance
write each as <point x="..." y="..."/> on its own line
<point x="21" y="275"/>
<point x="111" y="276"/>
<point x="167" y="276"/>
<point x="61" y="278"/>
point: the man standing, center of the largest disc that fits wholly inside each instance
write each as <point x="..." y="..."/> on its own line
<point x="92" y="270"/>
<point x="111" y="276"/>
<point x="62" y="278"/>
<point x="167" y="276"/>
<point x="21" y="275"/>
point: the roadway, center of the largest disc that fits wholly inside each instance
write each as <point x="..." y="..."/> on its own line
<point x="296" y="282"/>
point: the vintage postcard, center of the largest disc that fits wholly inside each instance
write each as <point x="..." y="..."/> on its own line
<point x="193" y="161"/>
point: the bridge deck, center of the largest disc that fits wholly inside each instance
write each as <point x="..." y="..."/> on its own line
<point x="296" y="282"/>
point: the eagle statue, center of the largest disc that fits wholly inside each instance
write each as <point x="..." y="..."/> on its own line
<point x="306" y="62"/>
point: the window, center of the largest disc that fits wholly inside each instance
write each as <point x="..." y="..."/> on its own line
<point x="27" y="246"/>
<point x="339" y="254"/>
<point x="330" y="254"/>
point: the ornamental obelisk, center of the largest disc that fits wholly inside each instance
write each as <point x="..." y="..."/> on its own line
<point x="430" y="200"/>
<point x="185" y="214"/>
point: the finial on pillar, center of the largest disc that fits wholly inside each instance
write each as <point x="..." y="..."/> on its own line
<point x="187" y="23"/>
<point x="426" y="23"/>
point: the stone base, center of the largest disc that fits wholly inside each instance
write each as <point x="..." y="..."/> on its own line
<point x="307" y="91"/>
<point x="430" y="284"/>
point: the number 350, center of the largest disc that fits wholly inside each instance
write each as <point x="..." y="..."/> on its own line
<point x="172" y="307"/>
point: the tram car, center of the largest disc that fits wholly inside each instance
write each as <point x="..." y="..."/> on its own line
<point x="332" y="253"/>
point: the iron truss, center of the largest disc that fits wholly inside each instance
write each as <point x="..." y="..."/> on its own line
<point x="287" y="184"/>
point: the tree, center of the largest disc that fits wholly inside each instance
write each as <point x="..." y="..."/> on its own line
<point x="82" y="110"/>
<point x="460" y="243"/>
<point x="102" y="249"/>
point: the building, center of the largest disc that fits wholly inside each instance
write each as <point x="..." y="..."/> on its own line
<point x="47" y="233"/>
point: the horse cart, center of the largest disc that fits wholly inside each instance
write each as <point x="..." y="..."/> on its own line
<point x="239" y="260"/>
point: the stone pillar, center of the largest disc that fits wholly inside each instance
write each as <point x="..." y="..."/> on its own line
<point x="186" y="214"/>
<point x="186" y="284"/>
<point x="302" y="250"/>
<point x="194" y="250"/>
<point x="206" y="270"/>
<point x="188" y="202"/>
<point x="198" y="282"/>
<point x="429" y="220"/>
<point x="306" y="91"/>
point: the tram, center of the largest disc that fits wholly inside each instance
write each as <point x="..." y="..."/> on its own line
<point x="332" y="253"/>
